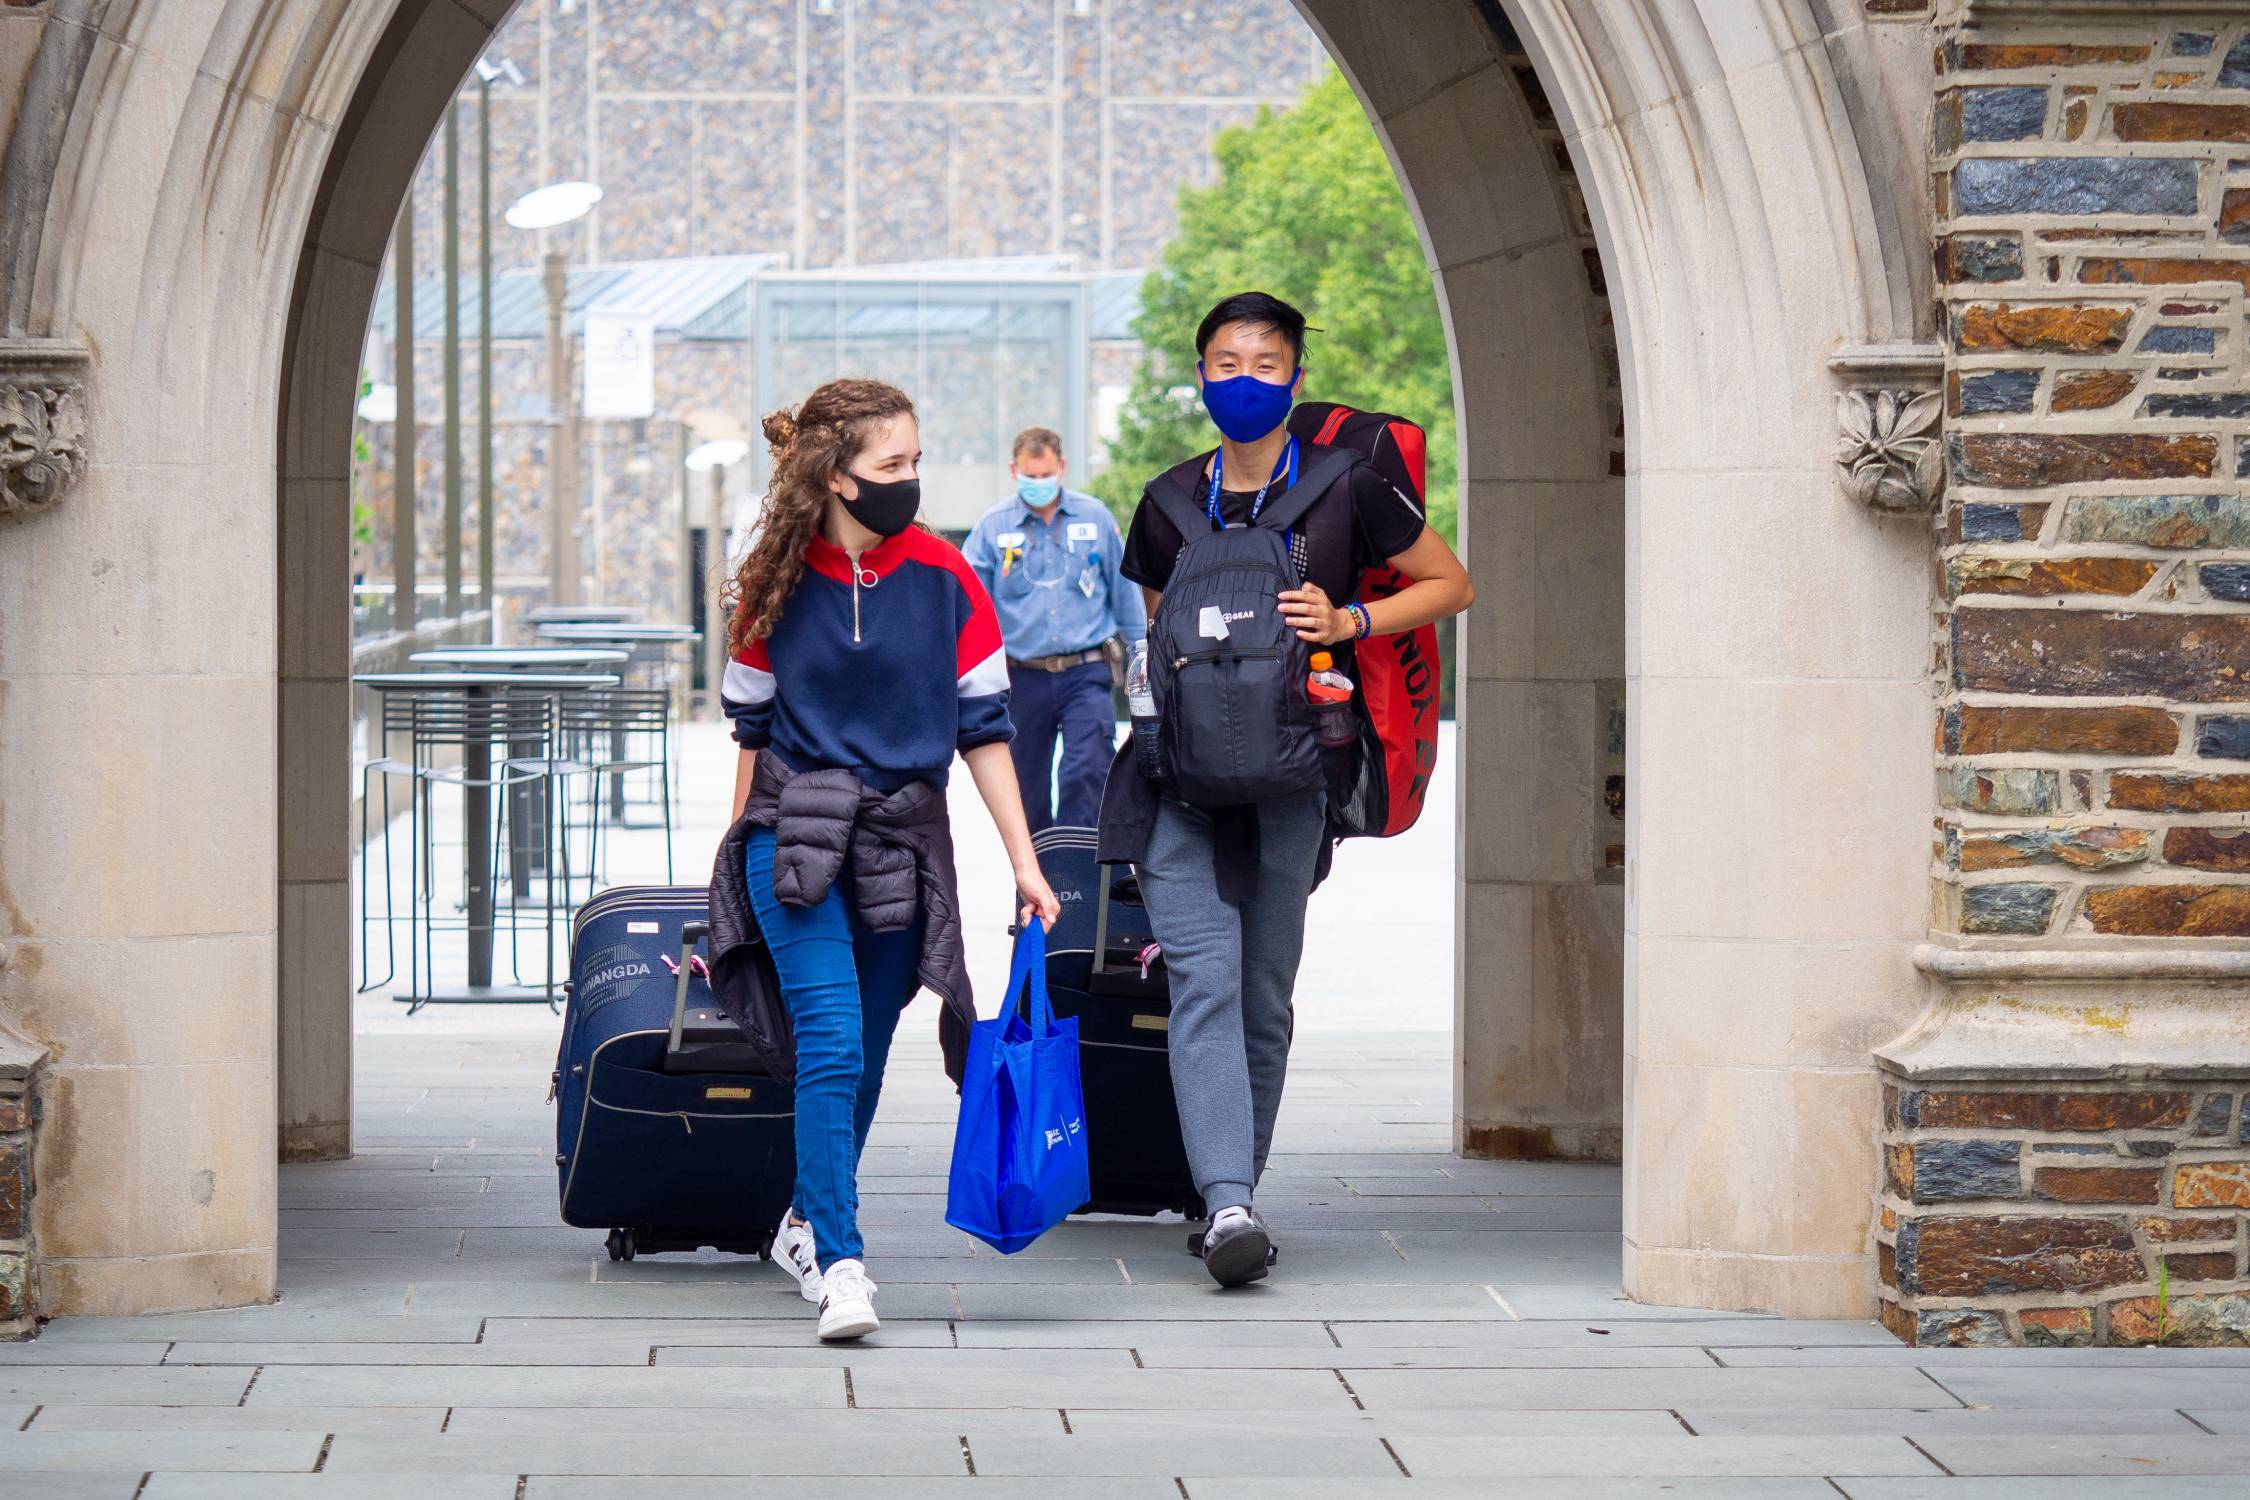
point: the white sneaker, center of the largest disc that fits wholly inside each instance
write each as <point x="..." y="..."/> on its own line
<point x="847" y="1302"/>
<point x="793" y="1252"/>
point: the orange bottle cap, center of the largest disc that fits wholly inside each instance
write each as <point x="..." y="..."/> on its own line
<point x="1322" y="661"/>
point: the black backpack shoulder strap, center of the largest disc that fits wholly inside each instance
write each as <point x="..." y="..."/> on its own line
<point x="1169" y="493"/>
<point x="1322" y="468"/>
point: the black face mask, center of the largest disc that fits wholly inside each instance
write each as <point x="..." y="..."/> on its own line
<point x="885" y="509"/>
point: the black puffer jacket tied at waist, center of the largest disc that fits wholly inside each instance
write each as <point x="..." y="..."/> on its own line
<point x="898" y="849"/>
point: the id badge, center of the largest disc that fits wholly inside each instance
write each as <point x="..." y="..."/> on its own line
<point x="1089" y="583"/>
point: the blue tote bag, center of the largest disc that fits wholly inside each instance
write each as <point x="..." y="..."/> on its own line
<point x="1019" y="1150"/>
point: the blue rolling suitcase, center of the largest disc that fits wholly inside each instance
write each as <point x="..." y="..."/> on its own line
<point x="1103" y="968"/>
<point x="668" y="1134"/>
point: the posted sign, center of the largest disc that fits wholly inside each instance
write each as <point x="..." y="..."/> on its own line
<point x="620" y="363"/>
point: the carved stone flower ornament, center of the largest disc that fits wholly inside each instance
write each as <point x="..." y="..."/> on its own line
<point x="42" y="443"/>
<point x="42" y="422"/>
<point x="1889" y="457"/>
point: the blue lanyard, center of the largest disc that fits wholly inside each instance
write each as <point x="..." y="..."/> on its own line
<point x="1288" y="466"/>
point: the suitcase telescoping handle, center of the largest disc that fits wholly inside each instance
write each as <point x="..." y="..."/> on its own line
<point x="690" y="934"/>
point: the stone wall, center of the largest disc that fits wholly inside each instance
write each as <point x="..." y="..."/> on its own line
<point x="19" y="1111"/>
<point x="2065" y="1215"/>
<point x="2093" y="718"/>
<point x="870" y="132"/>
<point x="2093" y="735"/>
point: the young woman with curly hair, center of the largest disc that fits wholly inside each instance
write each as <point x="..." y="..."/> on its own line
<point x="865" y="655"/>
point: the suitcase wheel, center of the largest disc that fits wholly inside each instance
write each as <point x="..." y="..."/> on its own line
<point x="620" y="1244"/>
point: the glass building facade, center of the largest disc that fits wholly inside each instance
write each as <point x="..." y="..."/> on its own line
<point x="982" y="357"/>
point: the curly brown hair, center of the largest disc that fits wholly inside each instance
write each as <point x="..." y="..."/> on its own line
<point x="821" y="437"/>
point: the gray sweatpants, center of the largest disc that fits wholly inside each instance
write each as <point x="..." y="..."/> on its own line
<point x="1233" y="971"/>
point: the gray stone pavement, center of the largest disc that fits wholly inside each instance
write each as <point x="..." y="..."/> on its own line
<point x="1437" y="1328"/>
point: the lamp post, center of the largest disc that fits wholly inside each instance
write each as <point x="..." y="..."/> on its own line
<point x="551" y="207"/>
<point x="404" y="614"/>
<point x="452" y="519"/>
<point x="715" y="458"/>
<point x="489" y="72"/>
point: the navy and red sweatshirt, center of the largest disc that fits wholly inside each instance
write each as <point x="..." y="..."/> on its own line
<point x="884" y="671"/>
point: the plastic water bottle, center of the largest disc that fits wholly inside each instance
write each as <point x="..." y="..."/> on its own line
<point x="1330" y="693"/>
<point x="1140" y="700"/>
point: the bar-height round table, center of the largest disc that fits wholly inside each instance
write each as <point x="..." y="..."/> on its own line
<point x="619" y="632"/>
<point x="581" y="614"/>
<point x="476" y="771"/>
<point x="648" y="643"/>
<point x="528" y="810"/>
<point x="651" y="644"/>
<point x="522" y="658"/>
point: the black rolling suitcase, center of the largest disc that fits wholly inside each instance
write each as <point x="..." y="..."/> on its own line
<point x="668" y="1133"/>
<point x="1103" y="968"/>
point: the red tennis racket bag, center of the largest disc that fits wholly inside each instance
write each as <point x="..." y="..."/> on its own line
<point x="1397" y="675"/>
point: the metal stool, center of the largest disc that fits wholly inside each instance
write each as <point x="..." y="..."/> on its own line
<point x="449" y="733"/>
<point x="612" y="732"/>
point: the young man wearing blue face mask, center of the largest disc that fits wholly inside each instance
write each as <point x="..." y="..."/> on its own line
<point x="1226" y="887"/>
<point x="1048" y="556"/>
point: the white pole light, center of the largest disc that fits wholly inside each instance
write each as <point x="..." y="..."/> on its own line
<point x="719" y="453"/>
<point x="380" y="404"/>
<point x="555" y="204"/>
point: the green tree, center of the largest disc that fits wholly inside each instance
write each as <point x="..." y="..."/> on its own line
<point x="1305" y="207"/>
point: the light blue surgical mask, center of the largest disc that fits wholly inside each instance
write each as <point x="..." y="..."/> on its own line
<point x="1039" y="493"/>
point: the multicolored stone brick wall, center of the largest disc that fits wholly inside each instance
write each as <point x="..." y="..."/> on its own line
<point x="2092" y="190"/>
<point x="630" y="472"/>
<point x="2065" y="1215"/>
<point x="2093" y="197"/>
<point x="860" y="132"/>
<point x="19" y="1267"/>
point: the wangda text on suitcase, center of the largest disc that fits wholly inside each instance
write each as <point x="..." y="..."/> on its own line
<point x="667" y="1132"/>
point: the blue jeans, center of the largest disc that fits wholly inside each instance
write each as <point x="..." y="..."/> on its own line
<point x="1075" y="707"/>
<point x="844" y="987"/>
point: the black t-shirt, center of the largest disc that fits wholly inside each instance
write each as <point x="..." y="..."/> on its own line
<point x="1337" y="541"/>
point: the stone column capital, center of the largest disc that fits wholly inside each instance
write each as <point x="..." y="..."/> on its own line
<point x="42" y="422"/>
<point x="1888" y="455"/>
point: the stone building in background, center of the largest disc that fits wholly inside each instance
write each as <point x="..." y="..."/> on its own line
<point x="1857" y="389"/>
<point x="828" y="136"/>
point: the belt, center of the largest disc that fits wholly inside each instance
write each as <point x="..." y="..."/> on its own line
<point x="1062" y="663"/>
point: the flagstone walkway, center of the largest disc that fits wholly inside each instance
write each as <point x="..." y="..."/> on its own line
<point x="1437" y="1329"/>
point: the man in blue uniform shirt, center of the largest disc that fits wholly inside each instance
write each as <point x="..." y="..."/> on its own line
<point x="1048" y="556"/>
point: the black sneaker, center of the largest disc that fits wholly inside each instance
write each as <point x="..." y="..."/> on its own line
<point x="1195" y="1247"/>
<point x="1236" y="1249"/>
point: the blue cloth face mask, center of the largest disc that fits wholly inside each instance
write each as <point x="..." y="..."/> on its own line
<point x="1246" y="408"/>
<point x="1039" y="493"/>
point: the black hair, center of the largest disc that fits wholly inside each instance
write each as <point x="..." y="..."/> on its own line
<point x="1260" y="310"/>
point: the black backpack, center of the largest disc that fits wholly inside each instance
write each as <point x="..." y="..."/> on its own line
<point x="1227" y="671"/>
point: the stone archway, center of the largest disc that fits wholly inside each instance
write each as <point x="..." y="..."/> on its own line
<point x="216" y="198"/>
<point x="1740" y="184"/>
